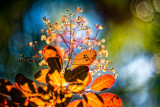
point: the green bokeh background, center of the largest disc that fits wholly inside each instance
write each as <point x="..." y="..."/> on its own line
<point x="131" y="30"/>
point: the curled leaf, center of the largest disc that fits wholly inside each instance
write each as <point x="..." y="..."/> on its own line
<point x="77" y="73"/>
<point x="103" y="82"/>
<point x="93" y="100"/>
<point x="111" y="100"/>
<point x="84" y="58"/>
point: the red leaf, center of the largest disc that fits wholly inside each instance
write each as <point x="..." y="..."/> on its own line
<point x="84" y="58"/>
<point x="103" y="82"/>
<point x="111" y="100"/>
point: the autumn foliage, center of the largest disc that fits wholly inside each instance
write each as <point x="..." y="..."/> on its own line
<point x="64" y="77"/>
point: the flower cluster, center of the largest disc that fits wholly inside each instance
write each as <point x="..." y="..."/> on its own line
<point x="73" y="55"/>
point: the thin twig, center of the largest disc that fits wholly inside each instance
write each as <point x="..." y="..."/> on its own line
<point x="96" y="34"/>
<point x="69" y="59"/>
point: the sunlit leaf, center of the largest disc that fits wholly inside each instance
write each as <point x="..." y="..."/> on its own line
<point x="84" y="58"/>
<point x="55" y="63"/>
<point x="111" y="100"/>
<point x="36" y="102"/>
<point x="93" y="100"/>
<point x="41" y="75"/>
<point x="87" y="80"/>
<point x="63" y="99"/>
<point x="50" y="51"/>
<point x="25" y="84"/>
<point x="76" y="87"/>
<point x="56" y="78"/>
<point x="75" y="103"/>
<point x="77" y="73"/>
<point x="103" y="82"/>
<point x="43" y="94"/>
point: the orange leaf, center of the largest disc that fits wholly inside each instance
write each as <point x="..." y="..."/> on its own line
<point x="111" y="100"/>
<point x="87" y="80"/>
<point x="78" y="103"/>
<point x="40" y="76"/>
<point x="25" y="84"/>
<point x="93" y="100"/>
<point x="76" y="87"/>
<point x="103" y="82"/>
<point x="74" y="103"/>
<point x="84" y="58"/>
<point x="50" y="51"/>
<point x="36" y="102"/>
<point x="56" y="78"/>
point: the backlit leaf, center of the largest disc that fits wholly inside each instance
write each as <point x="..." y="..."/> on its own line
<point x="84" y="58"/>
<point x="43" y="94"/>
<point x="63" y="99"/>
<point x="76" y="87"/>
<point x="50" y="51"/>
<point x="103" y="82"/>
<point x="75" y="103"/>
<point x="41" y="75"/>
<point x="111" y="100"/>
<point x="87" y="80"/>
<point x="36" y="102"/>
<point x="77" y="73"/>
<point x="55" y="63"/>
<point x="56" y="78"/>
<point x="25" y="84"/>
<point x="93" y="100"/>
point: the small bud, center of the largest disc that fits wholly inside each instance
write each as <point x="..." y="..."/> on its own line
<point x="79" y="9"/>
<point x="35" y="42"/>
<point x="115" y="75"/>
<point x="30" y="44"/>
<point x="100" y="27"/>
<point x="43" y="37"/>
<point x="103" y="40"/>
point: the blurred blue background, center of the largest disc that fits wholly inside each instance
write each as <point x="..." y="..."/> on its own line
<point x="131" y="30"/>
